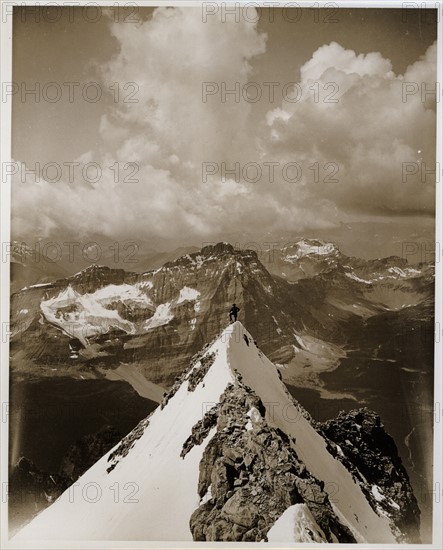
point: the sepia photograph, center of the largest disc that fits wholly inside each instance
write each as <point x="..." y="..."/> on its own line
<point x="221" y="278"/>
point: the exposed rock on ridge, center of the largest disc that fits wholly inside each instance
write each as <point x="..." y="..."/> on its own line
<point x="250" y="474"/>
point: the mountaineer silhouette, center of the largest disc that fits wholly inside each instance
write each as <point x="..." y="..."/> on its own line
<point x="233" y="312"/>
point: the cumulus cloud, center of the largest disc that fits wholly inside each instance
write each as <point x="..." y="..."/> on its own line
<point x="349" y="124"/>
<point x="172" y="58"/>
<point x="353" y="112"/>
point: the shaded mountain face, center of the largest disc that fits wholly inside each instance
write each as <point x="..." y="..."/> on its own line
<point x="230" y="455"/>
<point x="358" y="439"/>
<point x="102" y="318"/>
<point x="31" y="490"/>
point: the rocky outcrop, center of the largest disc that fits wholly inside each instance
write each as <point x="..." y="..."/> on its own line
<point x="250" y="474"/>
<point x="127" y="443"/>
<point x="200" y="430"/>
<point x="359" y="440"/>
<point x="199" y="365"/>
<point x="198" y="372"/>
<point x="90" y="448"/>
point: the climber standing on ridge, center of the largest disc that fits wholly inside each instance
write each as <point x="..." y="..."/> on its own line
<point x="233" y="312"/>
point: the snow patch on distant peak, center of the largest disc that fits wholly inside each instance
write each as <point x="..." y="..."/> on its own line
<point x="188" y="294"/>
<point x="145" y="284"/>
<point x="406" y="272"/>
<point x="90" y="269"/>
<point x="307" y="248"/>
<point x="38" y="285"/>
<point x="123" y="292"/>
<point x="352" y="275"/>
<point x="162" y="316"/>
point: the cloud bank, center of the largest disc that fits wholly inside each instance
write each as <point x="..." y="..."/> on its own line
<point x="335" y="154"/>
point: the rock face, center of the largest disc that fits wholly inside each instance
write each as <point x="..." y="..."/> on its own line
<point x="190" y="300"/>
<point x="360" y="441"/>
<point x="250" y="474"/>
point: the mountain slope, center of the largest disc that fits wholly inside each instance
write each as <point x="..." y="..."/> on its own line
<point x="201" y="467"/>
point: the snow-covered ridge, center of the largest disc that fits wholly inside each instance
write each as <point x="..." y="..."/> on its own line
<point x="167" y="481"/>
<point x="352" y="275"/>
<point x="406" y="272"/>
<point x="38" y="285"/>
<point x="90" y="269"/>
<point x="166" y="484"/>
<point x="296" y="524"/>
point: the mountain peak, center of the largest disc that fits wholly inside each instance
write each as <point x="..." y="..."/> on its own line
<point x="219" y="248"/>
<point x="92" y="268"/>
<point x="213" y="253"/>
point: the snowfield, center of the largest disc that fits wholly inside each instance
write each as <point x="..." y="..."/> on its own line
<point x="188" y="295"/>
<point x="162" y="316"/>
<point x="305" y="248"/>
<point x="85" y="315"/>
<point x="157" y="489"/>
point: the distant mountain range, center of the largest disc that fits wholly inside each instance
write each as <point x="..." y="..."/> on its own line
<point x="302" y="305"/>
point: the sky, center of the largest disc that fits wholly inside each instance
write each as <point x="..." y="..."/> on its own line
<point x="327" y="125"/>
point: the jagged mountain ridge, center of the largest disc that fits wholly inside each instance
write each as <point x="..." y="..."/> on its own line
<point x="222" y="459"/>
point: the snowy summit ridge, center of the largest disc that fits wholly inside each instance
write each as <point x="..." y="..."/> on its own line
<point x="228" y="455"/>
